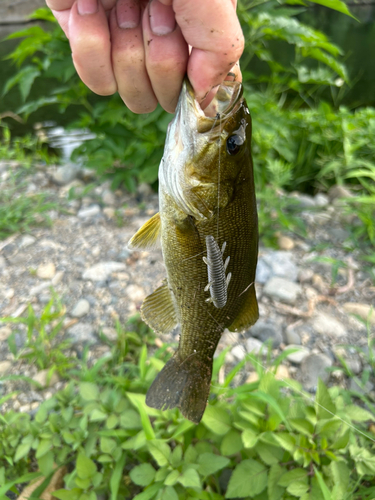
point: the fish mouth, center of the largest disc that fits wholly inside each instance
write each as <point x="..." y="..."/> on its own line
<point x="226" y="102"/>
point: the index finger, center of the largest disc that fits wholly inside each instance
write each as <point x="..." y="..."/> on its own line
<point x="213" y="30"/>
<point x="67" y="4"/>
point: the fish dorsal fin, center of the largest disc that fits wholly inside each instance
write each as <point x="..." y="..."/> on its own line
<point x="249" y="313"/>
<point x="147" y="236"/>
<point x="158" y="310"/>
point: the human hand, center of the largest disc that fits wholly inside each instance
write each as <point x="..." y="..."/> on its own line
<point x="140" y="48"/>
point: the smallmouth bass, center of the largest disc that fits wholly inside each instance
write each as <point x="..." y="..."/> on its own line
<point x="207" y="214"/>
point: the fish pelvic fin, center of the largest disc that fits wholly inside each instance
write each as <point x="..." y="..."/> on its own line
<point x="184" y="384"/>
<point x="158" y="310"/>
<point x="249" y="313"/>
<point x="148" y="236"/>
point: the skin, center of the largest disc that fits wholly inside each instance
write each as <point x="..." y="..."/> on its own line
<point x="143" y="49"/>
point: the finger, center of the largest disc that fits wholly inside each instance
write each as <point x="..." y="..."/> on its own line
<point x="167" y="53"/>
<point x="128" y="57"/>
<point x="91" y="46"/>
<point x="62" y="17"/>
<point x="217" y="43"/>
<point x="67" y="4"/>
<point x="234" y="75"/>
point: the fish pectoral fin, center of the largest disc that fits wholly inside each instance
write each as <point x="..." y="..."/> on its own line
<point x="248" y="314"/>
<point x="158" y="310"/>
<point x="148" y="236"/>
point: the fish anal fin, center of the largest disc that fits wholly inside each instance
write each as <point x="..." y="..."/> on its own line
<point x="147" y="237"/>
<point x="158" y="310"/>
<point x="249" y="313"/>
<point x="184" y="384"/>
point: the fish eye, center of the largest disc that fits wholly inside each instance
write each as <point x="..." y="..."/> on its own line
<point x="234" y="143"/>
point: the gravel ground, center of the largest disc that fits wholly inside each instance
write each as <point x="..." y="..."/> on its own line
<point x="83" y="256"/>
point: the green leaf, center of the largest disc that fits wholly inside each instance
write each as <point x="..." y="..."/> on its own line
<point x="169" y="493"/>
<point x="89" y="391"/>
<point x="116" y="477"/>
<point x="287" y="441"/>
<point x="323" y="486"/>
<point x="142" y="475"/>
<point x="150" y="492"/>
<point x="45" y="463"/>
<point x="325" y="408"/>
<point x="190" y="479"/>
<point x="231" y="443"/>
<point x="160" y="451"/>
<point x="293" y="475"/>
<point x="217" y="420"/>
<point x="108" y="445"/>
<point x="358" y="414"/>
<point x="44" y="446"/>
<point x="210" y="463"/>
<point x="298" y="488"/>
<point x="22" y="450"/>
<point x="85" y="467"/>
<point x="335" y="5"/>
<point x="275" y="491"/>
<point x="249" y="438"/>
<point x="172" y="478"/>
<point x="249" y="478"/>
<point x="112" y="421"/>
<point x="73" y="494"/>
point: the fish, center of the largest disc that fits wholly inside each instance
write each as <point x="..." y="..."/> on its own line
<point x="206" y="201"/>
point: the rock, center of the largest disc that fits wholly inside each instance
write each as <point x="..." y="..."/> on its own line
<point x="27" y="240"/>
<point x="253" y="377"/>
<point x="253" y="345"/>
<point x="135" y="292"/>
<point x="65" y="174"/>
<point x="144" y="189"/>
<point x="318" y="283"/>
<point x="3" y="262"/>
<point x="5" y="332"/>
<point x="46" y="271"/>
<point x="281" y="264"/>
<point x="82" y="333"/>
<point x="263" y="272"/>
<point x="339" y="192"/>
<point x="291" y="336"/>
<point x="282" y="290"/>
<point x="321" y="200"/>
<point x="57" y="278"/>
<point x="304" y="200"/>
<point x="42" y="378"/>
<point x="102" y="270"/>
<point x="110" y="333"/>
<point x="109" y="212"/>
<point x="298" y="356"/>
<point x="88" y="212"/>
<point x="238" y="352"/>
<point x="81" y="309"/>
<point x="338" y="234"/>
<point x="5" y="366"/>
<point x="266" y="331"/>
<point x="359" y="387"/>
<point x="314" y="367"/>
<point x="285" y="243"/>
<point x="361" y="310"/>
<point x="282" y="372"/>
<point x="109" y="197"/>
<point x="35" y="290"/>
<point x="327" y="325"/>
<point x="354" y="365"/>
<point x="305" y="275"/>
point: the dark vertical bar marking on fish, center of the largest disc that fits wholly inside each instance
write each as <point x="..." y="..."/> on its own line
<point x="216" y="267"/>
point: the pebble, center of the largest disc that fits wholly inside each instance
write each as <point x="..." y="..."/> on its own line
<point x="339" y="192"/>
<point x="102" y="270"/>
<point x="267" y="331"/>
<point x="109" y="212"/>
<point x="35" y="290"/>
<point x="42" y="378"/>
<point x="86" y="213"/>
<point x="136" y="293"/>
<point x="110" y="333"/>
<point x="326" y="324"/>
<point x="5" y="366"/>
<point x="282" y="372"/>
<point x="304" y="200"/>
<point x="281" y="264"/>
<point x="314" y="367"/>
<point x="238" y="352"/>
<point x="3" y="262"/>
<point x="109" y="197"/>
<point x="82" y="333"/>
<point x="254" y="345"/>
<point x="298" y="356"/>
<point x="359" y="387"/>
<point x="5" y="331"/>
<point x="305" y="275"/>
<point x="285" y="243"/>
<point x="80" y="309"/>
<point x="46" y="271"/>
<point x="321" y="200"/>
<point x="253" y="377"/>
<point x="282" y="290"/>
<point x="361" y="310"/>
<point x="354" y="365"/>
<point x="291" y="336"/>
<point x="57" y="278"/>
<point x="27" y="240"/>
<point x="65" y="174"/>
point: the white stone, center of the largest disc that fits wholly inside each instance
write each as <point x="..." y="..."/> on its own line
<point x="321" y="200"/>
<point x="5" y="332"/>
<point x="57" y="278"/>
<point x="81" y="308"/>
<point x="42" y="378"/>
<point x="5" y="366"/>
<point x="110" y="333"/>
<point x="327" y="325"/>
<point x="109" y="197"/>
<point x="298" y="356"/>
<point x="253" y="345"/>
<point x="102" y="271"/>
<point x="46" y="271"/>
<point x="238" y="352"/>
<point x="86" y="213"/>
<point x="27" y="240"/>
<point x="361" y="310"/>
<point x="282" y="290"/>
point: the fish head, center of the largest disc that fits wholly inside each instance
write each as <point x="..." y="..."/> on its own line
<point x="206" y="151"/>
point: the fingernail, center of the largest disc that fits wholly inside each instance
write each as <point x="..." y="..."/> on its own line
<point x="128" y="14"/>
<point x="162" y="18"/>
<point x="86" y="7"/>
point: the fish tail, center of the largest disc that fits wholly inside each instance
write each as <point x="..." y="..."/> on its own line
<point x="184" y="384"/>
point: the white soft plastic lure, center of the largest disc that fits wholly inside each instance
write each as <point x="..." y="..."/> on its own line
<point x="217" y="280"/>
